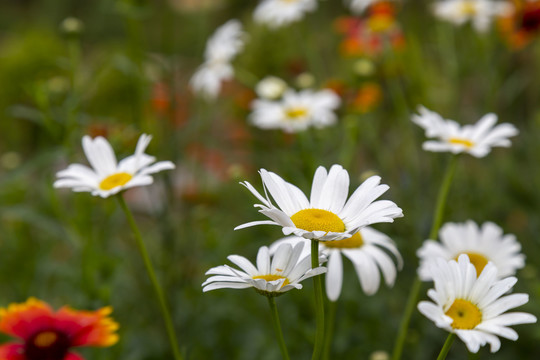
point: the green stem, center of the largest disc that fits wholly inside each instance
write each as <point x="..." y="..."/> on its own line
<point x="151" y="274"/>
<point x="415" y="288"/>
<point x="277" y="327"/>
<point x="319" y="305"/>
<point x="446" y="347"/>
<point x="331" y="323"/>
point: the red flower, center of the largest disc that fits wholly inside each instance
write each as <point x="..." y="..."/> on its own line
<point x="523" y="25"/>
<point x="49" y="335"/>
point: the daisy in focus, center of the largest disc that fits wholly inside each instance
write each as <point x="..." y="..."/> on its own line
<point x="107" y="177"/>
<point x="327" y="215"/>
<point x="474" y="308"/>
<point x="368" y="251"/>
<point x="47" y="334"/>
<point x="273" y="275"/>
<point x="222" y="47"/>
<point x="481" y="244"/>
<point x="477" y="139"/>
<point x="479" y="12"/>
<point x="278" y="13"/>
<point x="296" y="111"/>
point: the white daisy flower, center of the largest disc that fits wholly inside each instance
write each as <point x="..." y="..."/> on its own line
<point x="367" y="249"/>
<point x="107" y="177"/>
<point x="477" y="139"/>
<point x="474" y="308"/>
<point x="481" y="245"/>
<point x="296" y="111"/>
<point x="226" y="42"/>
<point x="271" y="88"/>
<point x="273" y="275"/>
<point x="278" y="13"/>
<point x="479" y="12"/>
<point x="327" y="215"/>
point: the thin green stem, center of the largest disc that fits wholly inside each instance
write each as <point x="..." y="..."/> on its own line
<point x="277" y="327"/>
<point x="152" y="275"/>
<point x="415" y="288"/>
<point x="331" y="324"/>
<point x="319" y="305"/>
<point x="446" y="347"/>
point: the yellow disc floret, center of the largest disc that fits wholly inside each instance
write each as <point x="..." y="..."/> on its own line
<point x="115" y="180"/>
<point x="458" y="141"/>
<point x="45" y="339"/>
<point x="465" y="314"/>
<point x="318" y="220"/>
<point x="478" y="260"/>
<point x="296" y="112"/>
<point x="468" y="8"/>
<point x="353" y="242"/>
<point x="273" y="278"/>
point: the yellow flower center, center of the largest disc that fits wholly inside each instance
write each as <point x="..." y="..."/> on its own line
<point x="458" y="141"/>
<point x="479" y="261"/>
<point x="353" y="242"/>
<point x="296" y="112"/>
<point x="114" y="180"/>
<point x="318" y="220"/>
<point x="45" y="339"/>
<point x="468" y="8"/>
<point x="465" y="314"/>
<point x="273" y="278"/>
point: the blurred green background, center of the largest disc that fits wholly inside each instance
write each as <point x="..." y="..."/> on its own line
<point x="127" y="71"/>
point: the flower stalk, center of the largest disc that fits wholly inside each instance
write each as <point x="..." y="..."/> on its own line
<point x="446" y="347"/>
<point x="153" y="279"/>
<point x="277" y="327"/>
<point x="319" y="304"/>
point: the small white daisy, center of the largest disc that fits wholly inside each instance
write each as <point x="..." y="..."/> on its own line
<point x="226" y="42"/>
<point x="473" y="308"/>
<point x="278" y="13"/>
<point x="479" y="12"/>
<point x="107" y="177"/>
<point x="273" y="275"/>
<point x="296" y="111"/>
<point x="327" y="215"/>
<point x="271" y="88"/>
<point x="365" y="249"/>
<point x="477" y="139"/>
<point x="481" y="245"/>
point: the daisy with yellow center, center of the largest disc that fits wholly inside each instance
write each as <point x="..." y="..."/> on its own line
<point x="477" y="139"/>
<point x="327" y="215"/>
<point x="107" y="177"/>
<point x="272" y="276"/>
<point x="479" y="12"/>
<point x="482" y="244"/>
<point x="472" y="307"/>
<point x="296" y="111"/>
<point x="279" y="13"/>
<point x="46" y="334"/>
<point x="368" y="250"/>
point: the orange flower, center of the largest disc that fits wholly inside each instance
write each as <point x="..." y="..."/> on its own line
<point x="367" y="98"/>
<point x="523" y="25"/>
<point x="49" y="335"/>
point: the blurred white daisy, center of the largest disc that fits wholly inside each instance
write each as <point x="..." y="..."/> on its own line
<point x="473" y="308"/>
<point x="477" y="139"/>
<point x="368" y="251"/>
<point x="359" y="6"/>
<point x="481" y="245"/>
<point x="327" y="215"/>
<point x="296" y="111"/>
<point x="479" y="12"/>
<point x="271" y="88"/>
<point x="107" y="177"/>
<point x="273" y="275"/>
<point x="278" y="13"/>
<point x="221" y="48"/>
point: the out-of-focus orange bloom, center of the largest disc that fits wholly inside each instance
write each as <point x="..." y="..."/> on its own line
<point x="523" y="26"/>
<point x="369" y="36"/>
<point x="337" y="86"/>
<point x="367" y="97"/>
<point x="161" y="103"/>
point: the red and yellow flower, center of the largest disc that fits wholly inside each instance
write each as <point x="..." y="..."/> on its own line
<point x="520" y="28"/>
<point x="49" y="335"/>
